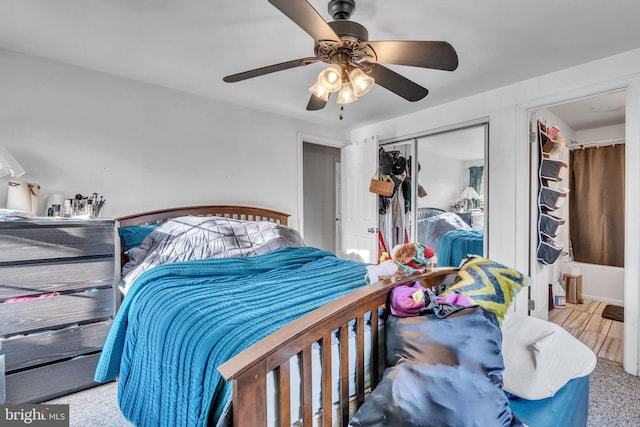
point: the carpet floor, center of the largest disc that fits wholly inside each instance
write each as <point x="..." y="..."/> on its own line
<point x="94" y="407"/>
<point x="614" y="401"/>
<point x="614" y="397"/>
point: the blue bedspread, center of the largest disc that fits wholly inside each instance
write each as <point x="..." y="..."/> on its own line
<point x="455" y="245"/>
<point x="180" y="321"/>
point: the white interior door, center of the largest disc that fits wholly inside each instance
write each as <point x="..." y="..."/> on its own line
<point x="359" y="209"/>
<point x="541" y="275"/>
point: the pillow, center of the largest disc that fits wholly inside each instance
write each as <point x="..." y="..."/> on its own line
<point x="488" y="284"/>
<point x="442" y="372"/>
<point x="131" y="236"/>
<point x="540" y="357"/>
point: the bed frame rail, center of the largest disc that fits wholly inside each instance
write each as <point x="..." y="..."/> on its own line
<point x="248" y="370"/>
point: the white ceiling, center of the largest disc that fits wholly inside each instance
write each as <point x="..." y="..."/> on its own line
<point x="191" y="45"/>
<point x="593" y="112"/>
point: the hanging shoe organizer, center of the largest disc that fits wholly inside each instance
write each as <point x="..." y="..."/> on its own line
<point x="549" y="198"/>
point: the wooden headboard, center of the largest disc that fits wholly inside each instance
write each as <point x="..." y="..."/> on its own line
<point x="244" y="213"/>
<point x="234" y="212"/>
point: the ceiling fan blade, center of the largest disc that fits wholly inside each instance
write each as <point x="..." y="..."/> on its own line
<point x="307" y="18"/>
<point x="269" y="69"/>
<point x="398" y="84"/>
<point x="426" y="54"/>
<point x="315" y="103"/>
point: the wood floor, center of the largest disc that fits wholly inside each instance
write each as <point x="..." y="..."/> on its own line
<point x="584" y="321"/>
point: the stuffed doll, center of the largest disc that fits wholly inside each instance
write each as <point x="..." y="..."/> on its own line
<point x="412" y="257"/>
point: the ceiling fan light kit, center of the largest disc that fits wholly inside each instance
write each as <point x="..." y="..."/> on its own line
<point x="355" y="63"/>
<point x="346" y="94"/>
<point x="351" y="85"/>
<point x="320" y="91"/>
<point x="331" y="78"/>
<point x="362" y="83"/>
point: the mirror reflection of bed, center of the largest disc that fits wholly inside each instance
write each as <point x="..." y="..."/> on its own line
<point x="451" y="236"/>
<point x="451" y="217"/>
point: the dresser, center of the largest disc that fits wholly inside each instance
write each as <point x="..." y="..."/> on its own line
<point x="60" y="275"/>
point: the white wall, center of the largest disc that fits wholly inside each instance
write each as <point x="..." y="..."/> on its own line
<point x="441" y="177"/>
<point x="141" y="146"/>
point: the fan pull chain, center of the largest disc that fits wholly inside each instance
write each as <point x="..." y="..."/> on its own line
<point x="341" y="110"/>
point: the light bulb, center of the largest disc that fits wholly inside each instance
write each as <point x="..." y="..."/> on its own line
<point x="331" y="77"/>
<point x="320" y="91"/>
<point x="346" y="94"/>
<point x="362" y="83"/>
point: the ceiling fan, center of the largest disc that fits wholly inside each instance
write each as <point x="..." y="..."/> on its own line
<point x="355" y="63"/>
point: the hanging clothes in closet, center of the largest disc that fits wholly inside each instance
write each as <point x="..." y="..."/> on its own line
<point x="393" y="210"/>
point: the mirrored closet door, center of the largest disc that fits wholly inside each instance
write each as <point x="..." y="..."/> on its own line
<point x="440" y="193"/>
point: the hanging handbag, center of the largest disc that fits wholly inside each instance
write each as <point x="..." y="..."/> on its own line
<point x="378" y="185"/>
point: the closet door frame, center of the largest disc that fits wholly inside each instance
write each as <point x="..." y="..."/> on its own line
<point x="484" y="122"/>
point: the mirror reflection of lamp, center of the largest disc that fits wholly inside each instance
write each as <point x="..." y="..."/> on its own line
<point x="468" y="193"/>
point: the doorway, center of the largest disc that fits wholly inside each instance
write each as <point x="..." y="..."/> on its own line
<point x="320" y="195"/>
<point x="593" y="121"/>
<point x="597" y="120"/>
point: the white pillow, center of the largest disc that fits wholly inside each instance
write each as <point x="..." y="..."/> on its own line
<point x="540" y="357"/>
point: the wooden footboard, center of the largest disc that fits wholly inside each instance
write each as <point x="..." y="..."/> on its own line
<point x="248" y="370"/>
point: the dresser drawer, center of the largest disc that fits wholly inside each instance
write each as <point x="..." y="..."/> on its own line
<point x="22" y="243"/>
<point x="51" y="344"/>
<point x="23" y="351"/>
<point x="51" y="381"/>
<point x="56" y="276"/>
<point x="58" y="311"/>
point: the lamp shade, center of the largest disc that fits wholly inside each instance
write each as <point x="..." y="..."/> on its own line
<point x="331" y="77"/>
<point x="9" y="165"/>
<point x="362" y="83"/>
<point x="469" y="193"/>
<point x="346" y="94"/>
<point x="320" y="91"/>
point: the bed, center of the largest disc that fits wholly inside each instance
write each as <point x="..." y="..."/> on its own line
<point x="259" y="365"/>
<point x="449" y="235"/>
<point x="455" y="245"/>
